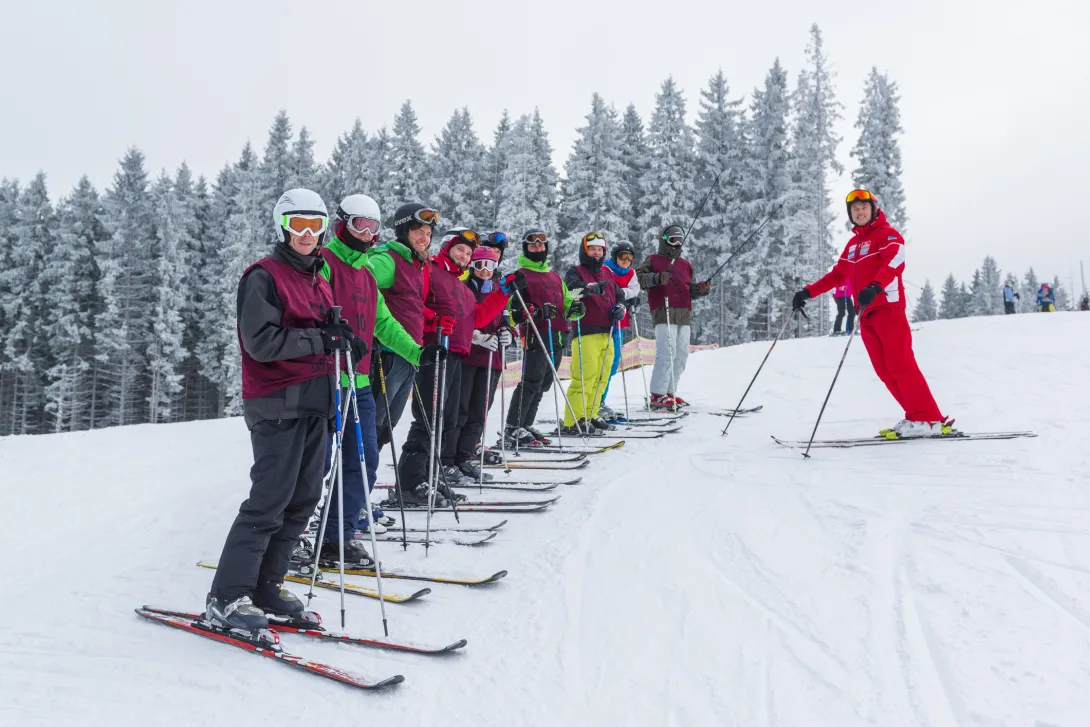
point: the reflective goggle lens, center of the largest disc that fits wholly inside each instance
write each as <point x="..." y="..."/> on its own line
<point x="359" y="224"/>
<point x="625" y="256"/>
<point x="471" y="237"/>
<point x="308" y="223"/>
<point x="497" y="239"/>
<point x="428" y="217"/>
<point x="860" y="194"/>
<point x="483" y="264"/>
<point x="537" y="237"/>
<point x="593" y="236"/>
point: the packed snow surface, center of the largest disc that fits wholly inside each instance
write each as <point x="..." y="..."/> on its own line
<point x="689" y="580"/>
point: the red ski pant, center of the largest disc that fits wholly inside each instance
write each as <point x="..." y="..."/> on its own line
<point x="888" y="339"/>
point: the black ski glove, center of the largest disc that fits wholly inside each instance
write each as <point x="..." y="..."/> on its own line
<point x="593" y="289"/>
<point x="633" y="303"/>
<point x="548" y="311"/>
<point x="867" y="294"/>
<point x="336" y="336"/>
<point x="576" y="309"/>
<point x="799" y="301"/>
<point x="427" y="356"/>
<point x="359" y="348"/>
<point x="616" y="313"/>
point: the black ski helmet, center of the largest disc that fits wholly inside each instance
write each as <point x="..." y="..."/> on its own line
<point x="673" y="232"/>
<point x="861" y="195"/>
<point x="537" y="257"/>
<point x="497" y="240"/>
<point x="622" y="246"/>
<point x="411" y="214"/>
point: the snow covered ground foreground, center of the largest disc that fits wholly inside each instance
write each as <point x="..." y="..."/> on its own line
<point x="691" y="580"/>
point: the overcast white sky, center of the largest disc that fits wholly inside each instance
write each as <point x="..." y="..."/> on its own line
<point x="995" y="96"/>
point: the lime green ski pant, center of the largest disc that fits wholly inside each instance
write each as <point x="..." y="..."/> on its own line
<point x="591" y="356"/>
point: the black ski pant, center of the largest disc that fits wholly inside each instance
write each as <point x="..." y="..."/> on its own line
<point x="842" y="305"/>
<point x="416" y="454"/>
<point x="399" y="375"/>
<point x="1008" y="307"/>
<point x="536" y="380"/>
<point x="286" y="478"/>
<point x="477" y="394"/>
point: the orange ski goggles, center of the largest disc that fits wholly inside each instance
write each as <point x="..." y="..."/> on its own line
<point x="860" y="195"/>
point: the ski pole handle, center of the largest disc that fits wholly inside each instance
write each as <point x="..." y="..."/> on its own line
<point x="335" y="314"/>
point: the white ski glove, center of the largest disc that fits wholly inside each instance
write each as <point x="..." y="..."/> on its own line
<point x="576" y="293"/>
<point x="485" y="340"/>
<point x="504" y="337"/>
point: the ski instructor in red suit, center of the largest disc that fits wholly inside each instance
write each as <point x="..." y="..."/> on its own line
<point x="873" y="262"/>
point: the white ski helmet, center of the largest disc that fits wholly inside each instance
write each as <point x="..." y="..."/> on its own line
<point x="299" y="202"/>
<point x="358" y="205"/>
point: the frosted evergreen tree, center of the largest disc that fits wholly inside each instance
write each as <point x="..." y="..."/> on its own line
<point x="595" y="196"/>
<point x="26" y="352"/>
<point x="767" y="265"/>
<point x="720" y="152"/>
<point x="978" y="296"/>
<point x="965" y="301"/>
<point x="70" y="278"/>
<point x="878" y="150"/>
<point x="950" y="301"/>
<point x="988" y="296"/>
<point x="455" y="179"/>
<point x="277" y="169"/>
<point x="123" y="331"/>
<point x="495" y="162"/>
<point x="1060" y="295"/>
<point x="1028" y="301"/>
<point x="635" y="156"/>
<point x="927" y="308"/>
<point x="529" y="182"/>
<point x="813" y="167"/>
<point x="166" y="353"/>
<point x="304" y="170"/>
<point x="346" y="171"/>
<point x="379" y="179"/>
<point x="407" y="162"/>
<point x="669" y="183"/>
<point x="9" y="199"/>
<point x="198" y="246"/>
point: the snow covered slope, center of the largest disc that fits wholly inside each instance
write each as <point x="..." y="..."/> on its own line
<point x="691" y="580"/>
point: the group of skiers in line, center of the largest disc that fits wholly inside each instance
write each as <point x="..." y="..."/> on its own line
<point x="1046" y="299"/>
<point x="401" y="324"/>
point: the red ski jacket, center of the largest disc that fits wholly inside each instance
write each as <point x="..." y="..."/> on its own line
<point x="875" y="254"/>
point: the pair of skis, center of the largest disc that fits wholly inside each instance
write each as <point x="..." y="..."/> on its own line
<point x="880" y="440"/>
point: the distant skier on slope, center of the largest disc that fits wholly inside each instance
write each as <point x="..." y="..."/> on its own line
<point x="1046" y="299"/>
<point x="288" y="341"/>
<point x="842" y="296"/>
<point x="1009" y="296"/>
<point x="873" y="262"/>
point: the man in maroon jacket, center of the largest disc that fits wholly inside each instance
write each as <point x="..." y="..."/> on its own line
<point x="873" y="262"/>
<point x="287" y="342"/>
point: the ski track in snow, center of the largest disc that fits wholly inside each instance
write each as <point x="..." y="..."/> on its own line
<point x="686" y="581"/>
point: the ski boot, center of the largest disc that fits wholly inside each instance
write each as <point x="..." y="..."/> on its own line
<point x="519" y="437"/>
<point x="679" y="402"/>
<point x="491" y="456"/>
<point x="536" y="433"/>
<point x="382" y="518"/>
<point x="418" y="497"/>
<point x="602" y="426"/>
<point x="355" y="554"/>
<point x="908" y="429"/>
<point x="446" y="491"/>
<point x="606" y="414"/>
<point x="472" y="470"/>
<point x="239" y="614"/>
<point x="662" y="402"/>
<point x="275" y="600"/>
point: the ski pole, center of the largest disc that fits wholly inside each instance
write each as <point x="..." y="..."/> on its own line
<point x="334" y="463"/>
<point x="671" y="346"/>
<point x="393" y="452"/>
<point x="552" y="368"/>
<point x="843" y="356"/>
<point x="701" y="207"/>
<point x="556" y="399"/>
<point x="438" y="425"/>
<point x="336" y="317"/>
<point x="582" y="380"/>
<point x="747" y="240"/>
<point x="484" y="424"/>
<point x="602" y="373"/>
<point x="442" y="476"/>
<point x="619" y="342"/>
<point x="783" y="328"/>
<point x="432" y="482"/>
<point x="520" y="388"/>
<point x="503" y="408"/>
<point x="643" y="374"/>
<point x="366" y="490"/>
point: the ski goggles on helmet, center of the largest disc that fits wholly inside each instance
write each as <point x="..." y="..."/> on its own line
<point x="425" y="216"/>
<point x="363" y="224"/>
<point x="860" y="195"/>
<point x="301" y="224"/>
<point x="625" y="256"/>
<point x="495" y="239"/>
<point x="471" y="237"/>
<point x="483" y="264"/>
<point x="594" y="238"/>
<point x="536" y="237"/>
<point x="673" y="235"/>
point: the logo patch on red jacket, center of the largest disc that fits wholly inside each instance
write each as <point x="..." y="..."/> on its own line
<point x="851" y="252"/>
<point x="865" y="249"/>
